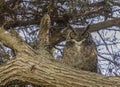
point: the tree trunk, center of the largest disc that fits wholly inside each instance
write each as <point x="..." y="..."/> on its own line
<point x="39" y="70"/>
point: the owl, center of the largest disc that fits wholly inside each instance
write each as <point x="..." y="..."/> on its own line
<point x="80" y="51"/>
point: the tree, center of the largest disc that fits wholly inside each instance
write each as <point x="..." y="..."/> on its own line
<point x="32" y="61"/>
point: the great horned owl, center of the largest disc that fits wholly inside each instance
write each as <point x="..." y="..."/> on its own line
<point x="80" y="51"/>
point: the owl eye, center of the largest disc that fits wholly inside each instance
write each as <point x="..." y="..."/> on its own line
<point x="84" y="35"/>
<point x="72" y="35"/>
<point x="87" y="35"/>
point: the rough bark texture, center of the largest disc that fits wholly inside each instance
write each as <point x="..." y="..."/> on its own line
<point x="41" y="71"/>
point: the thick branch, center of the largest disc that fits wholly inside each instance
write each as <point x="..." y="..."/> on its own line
<point x="44" y="30"/>
<point x="12" y="41"/>
<point x="105" y="24"/>
<point x="45" y="72"/>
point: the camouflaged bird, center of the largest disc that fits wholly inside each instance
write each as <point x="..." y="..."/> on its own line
<point x="80" y="51"/>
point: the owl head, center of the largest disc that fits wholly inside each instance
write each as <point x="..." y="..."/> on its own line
<point x="79" y="35"/>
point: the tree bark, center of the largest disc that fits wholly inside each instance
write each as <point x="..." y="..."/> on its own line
<point x="38" y="70"/>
